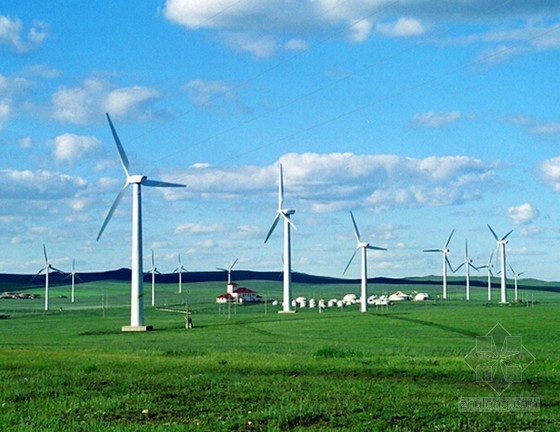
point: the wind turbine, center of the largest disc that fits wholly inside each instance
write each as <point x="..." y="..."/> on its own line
<point x="74" y="277"/>
<point x="363" y="246"/>
<point x="515" y="278"/>
<point x="284" y="214"/>
<point x="228" y="270"/>
<point x="489" y="267"/>
<point x="46" y="268"/>
<point x="502" y="247"/>
<point x="468" y="265"/>
<point x="136" y="282"/>
<point x="180" y="269"/>
<point x="154" y="271"/>
<point x="444" y="250"/>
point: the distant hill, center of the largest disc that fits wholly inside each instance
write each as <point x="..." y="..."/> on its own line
<point x="7" y="281"/>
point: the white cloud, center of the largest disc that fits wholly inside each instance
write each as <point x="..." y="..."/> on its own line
<point x="436" y="119"/>
<point x="12" y="34"/>
<point x="550" y="172"/>
<point x="192" y="228"/>
<point x="344" y="180"/>
<point x="523" y="214"/>
<point x="70" y="148"/>
<point x="552" y="128"/>
<point x="403" y="27"/>
<point x="38" y="185"/>
<point x="86" y="103"/>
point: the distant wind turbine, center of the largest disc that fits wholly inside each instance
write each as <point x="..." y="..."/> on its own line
<point x="445" y="251"/>
<point x="363" y="246"/>
<point x="489" y="267"/>
<point x="515" y="279"/>
<point x="468" y="265"/>
<point x="501" y="242"/>
<point x="180" y="269"/>
<point x="154" y="271"/>
<point x="285" y="215"/>
<point x="47" y="269"/>
<point x="229" y="270"/>
<point x="136" y="282"/>
<point x="74" y="276"/>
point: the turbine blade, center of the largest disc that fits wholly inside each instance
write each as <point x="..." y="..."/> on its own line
<point x="507" y="235"/>
<point x="235" y="262"/>
<point x="38" y="273"/>
<point x="45" y="254"/>
<point x="158" y="183"/>
<point x="112" y="210"/>
<point x="122" y="155"/>
<point x="288" y="220"/>
<point x="466" y="249"/>
<point x="432" y="250"/>
<point x="462" y="264"/>
<point x="356" y="232"/>
<point x="491" y="257"/>
<point x="449" y="239"/>
<point x="222" y="269"/>
<point x="351" y="258"/>
<point x="473" y="266"/>
<point x="55" y="269"/>
<point x="375" y="248"/>
<point x="274" y="223"/>
<point x="281" y="189"/>
<point x="153" y="260"/>
<point x="493" y="233"/>
<point x="449" y="264"/>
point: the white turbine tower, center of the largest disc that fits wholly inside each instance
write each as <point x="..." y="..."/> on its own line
<point x="363" y="246"/>
<point x="515" y="279"/>
<point x="445" y="251"/>
<point x="229" y="270"/>
<point x="136" y="282"/>
<point x="287" y="258"/>
<point x="47" y="269"/>
<point x="154" y="271"/>
<point x="74" y="277"/>
<point x="489" y="267"/>
<point x="180" y="269"/>
<point x="468" y="265"/>
<point x="502" y="247"/>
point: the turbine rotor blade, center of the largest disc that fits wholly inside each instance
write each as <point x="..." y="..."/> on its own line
<point x="221" y="269"/>
<point x="45" y="254"/>
<point x="449" y="264"/>
<point x="375" y="248"/>
<point x="351" y="258"/>
<point x="449" y="239"/>
<point x="158" y="183"/>
<point x="235" y="262"/>
<point x="507" y="235"/>
<point x="493" y="233"/>
<point x="356" y="231"/>
<point x="462" y="264"/>
<point x="274" y="223"/>
<point x="432" y="250"/>
<point x="122" y="155"/>
<point x="288" y="220"/>
<point x="281" y="189"/>
<point x="112" y="210"/>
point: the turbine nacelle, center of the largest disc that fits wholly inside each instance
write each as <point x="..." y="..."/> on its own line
<point x="136" y="179"/>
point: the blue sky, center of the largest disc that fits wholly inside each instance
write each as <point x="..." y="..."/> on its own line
<point x="420" y="117"/>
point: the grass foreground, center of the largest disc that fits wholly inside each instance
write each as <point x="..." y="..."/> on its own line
<point x="401" y="369"/>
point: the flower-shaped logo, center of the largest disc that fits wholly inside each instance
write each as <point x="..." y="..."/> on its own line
<point x="499" y="359"/>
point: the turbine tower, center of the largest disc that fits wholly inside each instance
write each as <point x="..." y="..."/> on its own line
<point x="136" y="282"/>
<point x="502" y="247"/>
<point x="180" y="269"/>
<point x="515" y="278"/>
<point x="445" y="251"/>
<point x="154" y="271"/>
<point x="287" y="258"/>
<point x="363" y="246"/>
<point x="74" y="277"/>
<point x="228" y="270"/>
<point x="489" y="267"/>
<point x="47" y="269"/>
<point x="468" y="265"/>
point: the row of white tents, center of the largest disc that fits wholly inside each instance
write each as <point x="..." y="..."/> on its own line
<point x="353" y="299"/>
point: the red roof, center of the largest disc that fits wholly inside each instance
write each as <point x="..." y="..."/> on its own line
<point x="226" y="295"/>
<point x="244" y="291"/>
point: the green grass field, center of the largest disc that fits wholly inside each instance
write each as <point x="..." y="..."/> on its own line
<point x="401" y="368"/>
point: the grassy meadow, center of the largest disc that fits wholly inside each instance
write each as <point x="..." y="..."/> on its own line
<point x="400" y="368"/>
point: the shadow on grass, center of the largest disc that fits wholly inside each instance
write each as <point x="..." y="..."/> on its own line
<point x="432" y="324"/>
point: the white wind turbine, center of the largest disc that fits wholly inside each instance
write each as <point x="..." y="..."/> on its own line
<point x="229" y="270"/>
<point x="445" y="251"/>
<point x="180" y="269"/>
<point x="515" y="279"/>
<point x="154" y="271"/>
<point x="136" y="282"/>
<point x="502" y="247"/>
<point x="489" y="267"/>
<point x="74" y="277"/>
<point x="287" y="257"/>
<point x="363" y="246"/>
<point x="468" y="265"/>
<point x="47" y="269"/>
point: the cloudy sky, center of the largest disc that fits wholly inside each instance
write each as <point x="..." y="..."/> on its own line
<point x="419" y="116"/>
